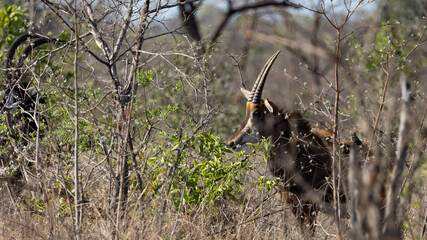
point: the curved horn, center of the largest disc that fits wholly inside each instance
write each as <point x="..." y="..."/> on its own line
<point x="12" y="74"/>
<point x="29" y="49"/>
<point x="9" y="72"/>
<point x="11" y="52"/>
<point x="256" y="92"/>
<point x="15" y="44"/>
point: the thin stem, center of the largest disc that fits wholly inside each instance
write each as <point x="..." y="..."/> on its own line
<point x="36" y="120"/>
<point x="335" y="147"/>
<point x="76" y="128"/>
<point x="392" y="223"/>
<point x="388" y="77"/>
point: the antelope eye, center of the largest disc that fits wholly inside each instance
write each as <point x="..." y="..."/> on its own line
<point x="257" y="113"/>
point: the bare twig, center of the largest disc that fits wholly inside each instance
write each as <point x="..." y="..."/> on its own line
<point x="231" y="11"/>
<point x="76" y="129"/>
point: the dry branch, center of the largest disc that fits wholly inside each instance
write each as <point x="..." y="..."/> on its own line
<point x="392" y="222"/>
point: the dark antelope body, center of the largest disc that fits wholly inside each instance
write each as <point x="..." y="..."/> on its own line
<point x="300" y="155"/>
<point x="18" y="93"/>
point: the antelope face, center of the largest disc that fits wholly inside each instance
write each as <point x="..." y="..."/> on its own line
<point x="256" y="124"/>
<point x="257" y="120"/>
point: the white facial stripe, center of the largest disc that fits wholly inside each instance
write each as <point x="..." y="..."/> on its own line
<point x="250" y="133"/>
<point x="248" y="126"/>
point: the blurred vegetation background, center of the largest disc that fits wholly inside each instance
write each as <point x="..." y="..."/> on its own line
<point x="157" y="84"/>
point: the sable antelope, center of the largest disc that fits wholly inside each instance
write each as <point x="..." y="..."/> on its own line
<point x="299" y="156"/>
<point x="18" y="94"/>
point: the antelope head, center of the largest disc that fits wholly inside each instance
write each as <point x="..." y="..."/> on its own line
<point x="259" y="120"/>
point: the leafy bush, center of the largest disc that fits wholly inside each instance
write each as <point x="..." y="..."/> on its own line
<point x="13" y="23"/>
<point x="198" y="170"/>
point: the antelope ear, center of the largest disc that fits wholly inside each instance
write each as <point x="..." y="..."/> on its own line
<point x="245" y="92"/>
<point x="268" y="106"/>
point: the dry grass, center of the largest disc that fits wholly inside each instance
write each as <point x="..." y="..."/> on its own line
<point x="260" y="217"/>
